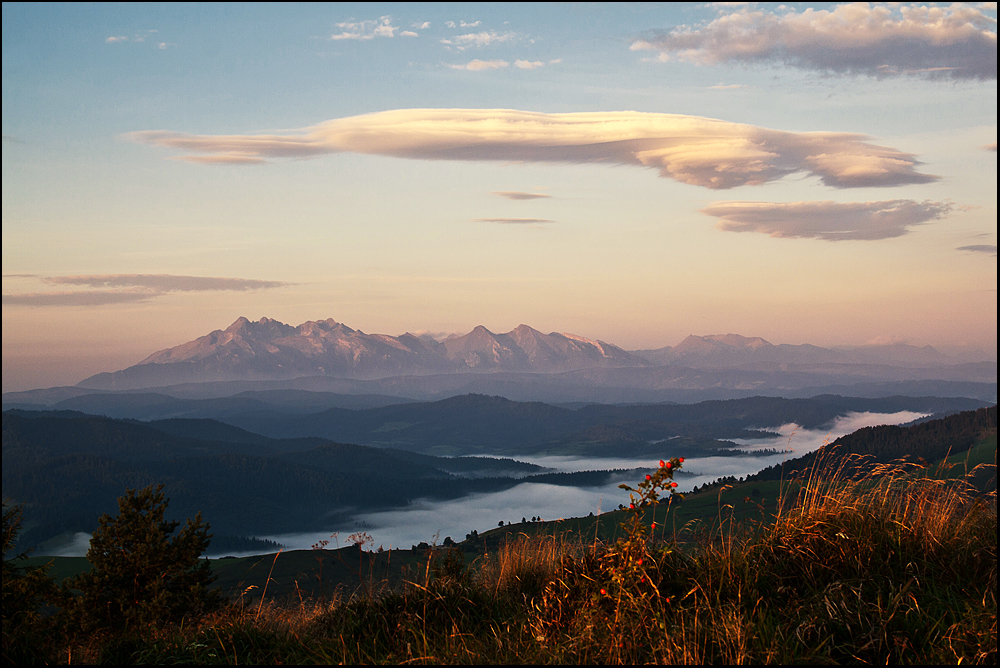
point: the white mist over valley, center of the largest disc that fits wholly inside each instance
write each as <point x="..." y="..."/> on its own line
<point x="433" y="521"/>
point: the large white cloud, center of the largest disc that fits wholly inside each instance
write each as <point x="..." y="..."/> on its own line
<point x="699" y="151"/>
<point x="830" y="221"/>
<point x="956" y="41"/>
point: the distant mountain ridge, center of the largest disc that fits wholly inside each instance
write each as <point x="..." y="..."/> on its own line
<point x="268" y="350"/>
<point x="732" y="350"/>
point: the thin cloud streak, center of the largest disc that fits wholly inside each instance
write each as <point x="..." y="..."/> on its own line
<point x="954" y="42"/>
<point x="698" y="151"/>
<point x="512" y="221"/>
<point x="87" y="298"/>
<point x="829" y="221"/>
<point x="220" y="159"/>
<point x="518" y="195"/>
<point x="132" y="288"/>
<point x="980" y="248"/>
<point x="166" y="282"/>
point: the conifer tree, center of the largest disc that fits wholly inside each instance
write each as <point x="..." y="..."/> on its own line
<point x="139" y="575"/>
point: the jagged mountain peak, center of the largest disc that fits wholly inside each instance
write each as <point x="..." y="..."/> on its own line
<point x="270" y="349"/>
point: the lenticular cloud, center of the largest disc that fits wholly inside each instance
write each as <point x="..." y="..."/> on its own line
<point x="698" y="151"/>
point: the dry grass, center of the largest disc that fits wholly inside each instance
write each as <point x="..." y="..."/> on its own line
<point x="527" y="562"/>
<point x="889" y="567"/>
<point x="893" y="567"/>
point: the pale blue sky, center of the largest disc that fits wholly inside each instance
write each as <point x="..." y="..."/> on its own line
<point x="390" y="244"/>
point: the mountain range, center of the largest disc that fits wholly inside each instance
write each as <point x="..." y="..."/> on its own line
<point x="269" y="350"/>
<point x="733" y="350"/>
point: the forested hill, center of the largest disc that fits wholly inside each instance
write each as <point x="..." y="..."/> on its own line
<point x="930" y="441"/>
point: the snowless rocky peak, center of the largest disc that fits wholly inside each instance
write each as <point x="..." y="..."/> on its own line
<point x="735" y="340"/>
<point x="720" y="341"/>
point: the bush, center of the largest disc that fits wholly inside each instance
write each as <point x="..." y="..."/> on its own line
<point x="139" y="575"/>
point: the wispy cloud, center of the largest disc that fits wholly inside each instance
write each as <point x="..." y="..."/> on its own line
<point x="79" y="298"/>
<point x="478" y="39"/>
<point x="128" y="288"/>
<point x="221" y="159"/>
<point x="136" y="38"/>
<point x="481" y="65"/>
<point x="958" y="41"/>
<point x="165" y="282"/>
<point x="365" y="30"/>
<point x="518" y="195"/>
<point x="699" y="151"/>
<point x="989" y="249"/>
<point x="528" y="64"/>
<point x="991" y="147"/>
<point x="512" y="221"/>
<point x="829" y="221"/>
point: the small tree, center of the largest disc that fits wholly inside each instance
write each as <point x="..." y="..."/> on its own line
<point x="139" y="575"/>
<point x="25" y="590"/>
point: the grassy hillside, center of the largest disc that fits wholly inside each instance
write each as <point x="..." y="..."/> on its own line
<point x="896" y="566"/>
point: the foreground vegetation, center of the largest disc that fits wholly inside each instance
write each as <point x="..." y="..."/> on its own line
<point x="899" y="566"/>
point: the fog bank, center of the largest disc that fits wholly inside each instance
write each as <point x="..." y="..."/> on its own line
<point x="430" y="521"/>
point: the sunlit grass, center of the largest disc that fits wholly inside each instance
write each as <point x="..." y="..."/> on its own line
<point x="895" y="566"/>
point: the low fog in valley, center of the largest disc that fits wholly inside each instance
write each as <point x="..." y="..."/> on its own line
<point x="427" y="521"/>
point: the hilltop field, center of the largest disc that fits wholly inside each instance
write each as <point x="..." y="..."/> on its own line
<point x="853" y="554"/>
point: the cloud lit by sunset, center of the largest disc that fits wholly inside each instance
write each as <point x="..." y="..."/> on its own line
<point x="697" y="151"/>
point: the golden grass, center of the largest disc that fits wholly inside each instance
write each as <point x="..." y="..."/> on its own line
<point x="895" y="566"/>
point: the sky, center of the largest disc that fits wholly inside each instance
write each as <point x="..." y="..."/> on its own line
<point x="808" y="173"/>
